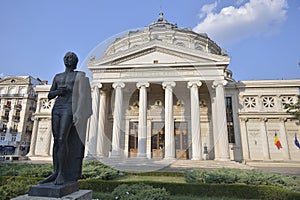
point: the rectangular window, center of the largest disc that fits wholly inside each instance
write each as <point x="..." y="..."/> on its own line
<point x="229" y="117"/>
<point x="2" y="137"/>
<point x="14" y="137"/>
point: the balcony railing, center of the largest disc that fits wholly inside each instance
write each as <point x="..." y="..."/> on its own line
<point x="4" y="118"/>
<point x="7" y="107"/>
<point x="16" y="118"/>
<point x="18" y="107"/>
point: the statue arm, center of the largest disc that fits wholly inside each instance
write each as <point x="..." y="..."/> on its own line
<point x="53" y="90"/>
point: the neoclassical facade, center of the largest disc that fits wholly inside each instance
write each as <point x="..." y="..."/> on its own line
<point x="165" y="92"/>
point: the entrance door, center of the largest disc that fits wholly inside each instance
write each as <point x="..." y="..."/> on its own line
<point x="181" y="140"/>
<point x="133" y="139"/>
<point x="158" y="139"/>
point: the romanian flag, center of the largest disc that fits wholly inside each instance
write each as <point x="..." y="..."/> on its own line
<point x="297" y="142"/>
<point x="277" y="142"/>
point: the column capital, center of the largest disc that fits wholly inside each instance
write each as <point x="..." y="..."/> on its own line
<point x="244" y="119"/>
<point x="216" y="83"/>
<point x="118" y="84"/>
<point x="96" y="86"/>
<point x="194" y="83"/>
<point x="168" y="84"/>
<point x="283" y="119"/>
<point x="264" y="119"/>
<point x="141" y="84"/>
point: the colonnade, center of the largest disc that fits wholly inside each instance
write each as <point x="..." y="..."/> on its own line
<point x="97" y="121"/>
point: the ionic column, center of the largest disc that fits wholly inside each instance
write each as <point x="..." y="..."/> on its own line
<point x="142" y="130"/>
<point x="222" y="134"/>
<point x="33" y="137"/>
<point x="169" y="120"/>
<point x="101" y="125"/>
<point x="265" y="143"/>
<point x="244" y="137"/>
<point x="195" y="120"/>
<point x="94" y="121"/>
<point x="286" y="149"/>
<point x="115" y="152"/>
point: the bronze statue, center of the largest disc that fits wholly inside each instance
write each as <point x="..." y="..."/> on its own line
<point x="70" y="113"/>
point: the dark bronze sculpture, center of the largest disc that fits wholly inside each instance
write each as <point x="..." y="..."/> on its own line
<point x="70" y="113"/>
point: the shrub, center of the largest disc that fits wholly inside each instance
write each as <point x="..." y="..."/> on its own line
<point x="241" y="191"/>
<point x="139" y="191"/>
<point x="251" y="177"/>
<point x="28" y="170"/>
<point x="97" y="170"/>
<point x="16" y="186"/>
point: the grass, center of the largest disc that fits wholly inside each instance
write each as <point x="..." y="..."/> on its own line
<point x="138" y="178"/>
<point x="93" y="170"/>
<point x="108" y="196"/>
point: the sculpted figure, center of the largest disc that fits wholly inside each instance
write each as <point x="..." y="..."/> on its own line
<point x="70" y="113"/>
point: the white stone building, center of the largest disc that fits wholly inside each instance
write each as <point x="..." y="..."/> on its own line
<point x="17" y="105"/>
<point x="165" y="92"/>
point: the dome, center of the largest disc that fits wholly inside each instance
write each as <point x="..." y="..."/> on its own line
<point x="166" y="32"/>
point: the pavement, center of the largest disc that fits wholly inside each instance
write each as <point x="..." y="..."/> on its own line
<point x="146" y="165"/>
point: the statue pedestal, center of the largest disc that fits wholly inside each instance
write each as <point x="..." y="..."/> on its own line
<point x="51" y="190"/>
<point x="78" y="195"/>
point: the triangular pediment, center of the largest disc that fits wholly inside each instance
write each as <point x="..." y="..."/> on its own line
<point x="15" y="80"/>
<point x="156" y="52"/>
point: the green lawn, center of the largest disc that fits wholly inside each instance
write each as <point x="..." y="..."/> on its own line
<point x="16" y="178"/>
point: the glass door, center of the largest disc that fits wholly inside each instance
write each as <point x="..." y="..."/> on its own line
<point x="133" y="139"/>
<point x="158" y="139"/>
<point x="181" y="140"/>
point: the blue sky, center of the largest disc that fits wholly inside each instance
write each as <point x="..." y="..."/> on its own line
<point x="262" y="37"/>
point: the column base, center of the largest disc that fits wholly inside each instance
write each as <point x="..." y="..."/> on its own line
<point x="114" y="154"/>
<point x="197" y="158"/>
<point x="222" y="159"/>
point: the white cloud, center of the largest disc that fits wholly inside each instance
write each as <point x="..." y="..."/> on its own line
<point x="207" y="8"/>
<point x="1" y="75"/>
<point x="232" y="24"/>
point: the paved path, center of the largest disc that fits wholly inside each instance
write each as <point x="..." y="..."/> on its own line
<point x="143" y="165"/>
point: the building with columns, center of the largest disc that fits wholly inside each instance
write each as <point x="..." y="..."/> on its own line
<point x="165" y="92"/>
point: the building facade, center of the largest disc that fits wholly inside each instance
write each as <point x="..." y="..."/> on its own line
<point x="165" y="92"/>
<point x="17" y="105"/>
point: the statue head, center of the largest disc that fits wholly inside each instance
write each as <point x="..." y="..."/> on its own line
<point x="71" y="60"/>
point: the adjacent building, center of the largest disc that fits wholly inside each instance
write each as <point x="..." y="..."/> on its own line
<point x="165" y="92"/>
<point x="17" y="105"/>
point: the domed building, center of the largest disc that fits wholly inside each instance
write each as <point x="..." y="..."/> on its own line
<point x="164" y="92"/>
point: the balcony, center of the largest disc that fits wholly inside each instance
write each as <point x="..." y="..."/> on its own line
<point x="7" y="107"/>
<point x="18" y="107"/>
<point x="4" y="118"/>
<point x="16" y="118"/>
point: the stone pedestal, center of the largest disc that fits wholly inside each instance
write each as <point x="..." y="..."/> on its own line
<point x="51" y="190"/>
<point x="78" y="195"/>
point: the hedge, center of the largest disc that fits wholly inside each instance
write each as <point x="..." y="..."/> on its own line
<point x="19" y="185"/>
<point x="202" y="190"/>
